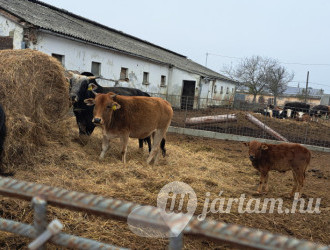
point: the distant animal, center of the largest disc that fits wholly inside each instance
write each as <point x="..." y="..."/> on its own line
<point x="295" y="107"/>
<point x="79" y="91"/>
<point x="301" y="116"/>
<point x="319" y="111"/>
<point x="281" y="157"/>
<point x="264" y="111"/>
<point x="131" y="116"/>
<point x="277" y="111"/>
<point x="2" y="130"/>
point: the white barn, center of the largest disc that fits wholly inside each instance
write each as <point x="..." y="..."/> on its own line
<point x="84" y="45"/>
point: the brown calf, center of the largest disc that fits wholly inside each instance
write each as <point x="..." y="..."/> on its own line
<point x="282" y="157"/>
<point x="131" y="116"/>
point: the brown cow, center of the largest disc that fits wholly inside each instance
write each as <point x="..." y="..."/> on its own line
<point x="282" y="157"/>
<point x="131" y="116"/>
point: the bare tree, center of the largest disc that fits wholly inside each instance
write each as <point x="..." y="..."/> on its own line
<point x="252" y="73"/>
<point x="277" y="79"/>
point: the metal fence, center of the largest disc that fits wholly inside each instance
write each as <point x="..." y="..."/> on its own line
<point x="248" y="119"/>
<point x="235" y="235"/>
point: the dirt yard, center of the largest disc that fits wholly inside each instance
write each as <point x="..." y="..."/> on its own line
<point x="206" y="165"/>
<point x="312" y="132"/>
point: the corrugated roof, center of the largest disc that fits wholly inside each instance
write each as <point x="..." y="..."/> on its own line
<point x="60" y="21"/>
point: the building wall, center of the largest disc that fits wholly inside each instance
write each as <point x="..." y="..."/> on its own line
<point x="325" y="100"/>
<point x="222" y="92"/>
<point x="12" y="29"/>
<point x="281" y="101"/>
<point x="79" y="56"/>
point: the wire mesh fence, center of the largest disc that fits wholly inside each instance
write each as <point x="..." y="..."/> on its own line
<point x="292" y="123"/>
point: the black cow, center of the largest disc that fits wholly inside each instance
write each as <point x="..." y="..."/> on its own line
<point x="2" y="139"/>
<point x="319" y="111"/>
<point x="295" y="108"/>
<point x="79" y="91"/>
<point x="2" y="130"/>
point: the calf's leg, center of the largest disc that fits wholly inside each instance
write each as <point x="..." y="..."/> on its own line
<point x="295" y="184"/>
<point x="263" y="184"/>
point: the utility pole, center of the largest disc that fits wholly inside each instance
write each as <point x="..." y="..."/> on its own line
<point x="206" y="59"/>
<point x="306" y="93"/>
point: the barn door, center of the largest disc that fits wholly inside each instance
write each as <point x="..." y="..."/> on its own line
<point x="188" y="94"/>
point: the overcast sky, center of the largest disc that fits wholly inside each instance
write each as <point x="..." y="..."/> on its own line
<point x="296" y="32"/>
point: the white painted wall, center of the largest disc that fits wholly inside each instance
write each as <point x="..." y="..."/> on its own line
<point x="79" y="56"/>
<point x="222" y="97"/>
<point x="10" y="28"/>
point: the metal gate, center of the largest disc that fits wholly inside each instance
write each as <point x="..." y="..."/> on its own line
<point x="235" y="235"/>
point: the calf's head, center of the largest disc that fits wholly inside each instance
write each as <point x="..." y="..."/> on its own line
<point x="255" y="149"/>
<point x="104" y="106"/>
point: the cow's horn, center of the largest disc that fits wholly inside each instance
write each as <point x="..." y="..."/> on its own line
<point x="93" y="77"/>
<point x="113" y="96"/>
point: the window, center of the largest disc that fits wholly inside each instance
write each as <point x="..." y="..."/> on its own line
<point x="145" y="78"/>
<point x="96" y="68"/>
<point x="221" y="90"/>
<point x="6" y="42"/>
<point x="60" y="58"/>
<point x="227" y="92"/>
<point x="232" y="90"/>
<point x="123" y="73"/>
<point x="163" y="81"/>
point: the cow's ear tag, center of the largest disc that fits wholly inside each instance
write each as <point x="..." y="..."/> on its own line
<point x="114" y="107"/>
<point x="90" y="88"/>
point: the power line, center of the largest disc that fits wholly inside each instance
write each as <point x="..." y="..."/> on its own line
<point x="321" y="84"/>
<point x="294" y="63"/>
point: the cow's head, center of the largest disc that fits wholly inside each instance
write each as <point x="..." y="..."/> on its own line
<point x="79" y="86"/>
<point x="104" y="106"/>
<point x="255" y="149"/>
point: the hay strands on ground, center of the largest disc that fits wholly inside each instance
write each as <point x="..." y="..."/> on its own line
<point x="211" y="119"/>
<point x="263" y="126"/>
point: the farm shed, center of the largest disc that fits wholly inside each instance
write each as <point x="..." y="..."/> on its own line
<point x="84" y="45"/>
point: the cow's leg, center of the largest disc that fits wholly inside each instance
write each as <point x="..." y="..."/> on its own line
<point x="124" y="142"/>
<point x="162" y="146"/>
<point x="158" y="136"/>
<point x="148" y="140"/>
<point x="105" y="145"/>
<point x="141" y="143"/>
<point x="295" y="184"/>
<point x="300" y="181"/>
<point x="265" y="187"/>
<point x="263" y="180"/>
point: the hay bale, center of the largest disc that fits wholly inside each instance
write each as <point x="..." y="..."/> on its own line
<point x="34" y="94"/>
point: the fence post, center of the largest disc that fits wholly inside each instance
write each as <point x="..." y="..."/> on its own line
<point x="306" y="132"/>
<point x="176" y="242"/>
<point x="40" y="216"/>
<point x="185" y="113"/>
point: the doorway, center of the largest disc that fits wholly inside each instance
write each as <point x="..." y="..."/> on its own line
<point x="188" y="94"/>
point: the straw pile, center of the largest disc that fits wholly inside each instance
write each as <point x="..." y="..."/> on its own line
<point x="34" y="94"/>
